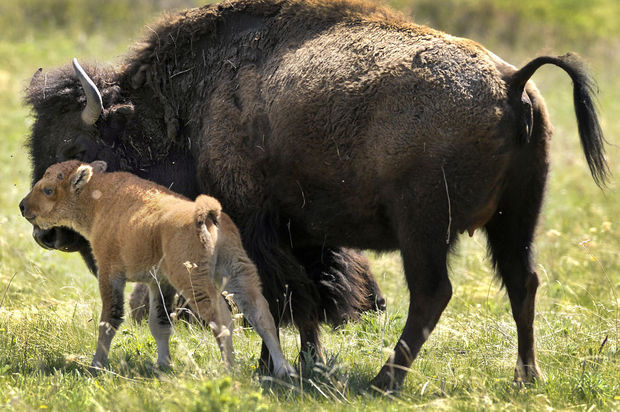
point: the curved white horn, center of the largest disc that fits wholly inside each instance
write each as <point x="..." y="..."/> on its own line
<point x="94" y="104"/>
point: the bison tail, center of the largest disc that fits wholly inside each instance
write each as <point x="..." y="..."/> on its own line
<point x="208" y="210"/>
<point x="584" y="88"/>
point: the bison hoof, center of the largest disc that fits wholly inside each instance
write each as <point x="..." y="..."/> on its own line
<point x="286" y="372"/>
<point x="527" y="373"/>
<point x="96" y="368"/>
<point x="164" y="366"/>
<point x="386" y="381"/>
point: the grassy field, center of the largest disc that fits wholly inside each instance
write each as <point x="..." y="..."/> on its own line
<point x="49" y="304"/>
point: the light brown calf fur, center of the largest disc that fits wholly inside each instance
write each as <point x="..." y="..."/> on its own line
<point x="142" y="232"/>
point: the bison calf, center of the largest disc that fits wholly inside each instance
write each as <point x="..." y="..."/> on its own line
<point x="140" y="231"/>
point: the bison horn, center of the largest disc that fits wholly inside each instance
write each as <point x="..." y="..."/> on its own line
<point x="94" y="104"/>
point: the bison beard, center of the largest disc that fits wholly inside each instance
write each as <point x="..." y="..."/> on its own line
<point x="323" y="126"/>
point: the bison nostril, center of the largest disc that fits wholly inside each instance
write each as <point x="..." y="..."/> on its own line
<point x="380" y="303"/>
<point x="21" y="207"/>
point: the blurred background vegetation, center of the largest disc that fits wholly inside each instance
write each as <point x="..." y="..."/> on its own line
<point x="514" y="23"/>
<point x="34" y="19"/>
<point x="521" y="23"/>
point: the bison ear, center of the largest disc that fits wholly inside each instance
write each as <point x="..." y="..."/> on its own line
<point x="120" y="115"/>
<point x="99" y="166"/>
<point x="126" y="110"/>
<point x="35" y="77"/>
<point x="80" y="177"/>
<point x="138" y="79"/>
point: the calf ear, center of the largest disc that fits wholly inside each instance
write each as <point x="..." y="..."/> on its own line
<point x="99" y="166"/>
<point x="81" y="176"/>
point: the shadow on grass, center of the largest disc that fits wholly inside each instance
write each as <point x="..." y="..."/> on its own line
<point x="333" y="381"/>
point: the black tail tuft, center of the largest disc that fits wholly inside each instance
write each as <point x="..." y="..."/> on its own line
<point x="345" y="283"/>
<point x="584" y="88"/>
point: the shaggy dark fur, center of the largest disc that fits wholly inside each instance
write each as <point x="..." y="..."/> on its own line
<point x="328" y="124"/>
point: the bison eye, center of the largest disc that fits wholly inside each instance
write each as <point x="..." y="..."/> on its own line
<point x="48" y="191"/>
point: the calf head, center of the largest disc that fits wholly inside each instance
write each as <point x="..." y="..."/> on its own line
<point x="51" y="202"/>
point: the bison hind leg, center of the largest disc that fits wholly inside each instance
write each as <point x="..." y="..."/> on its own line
<point x="510" y="235"/>
<point x="510" y="248"/>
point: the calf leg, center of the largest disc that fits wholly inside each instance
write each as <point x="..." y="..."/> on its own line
<point x="221" y="324"/>
<point x="208" y="304"/>
<point x="429" y="292"/>
<point x="111" y="289"/>
<point x="139" y="305"/>
<point x="139" y="302"/>
<point x="161" y="297"/>
<point x="244" y="284"/>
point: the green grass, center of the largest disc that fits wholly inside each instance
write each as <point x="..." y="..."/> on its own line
<point x="49" y="304"/>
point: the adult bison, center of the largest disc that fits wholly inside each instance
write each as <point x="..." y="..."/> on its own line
<point x="323" y="125"/>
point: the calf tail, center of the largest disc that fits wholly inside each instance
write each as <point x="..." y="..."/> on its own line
<point x="207" y="211"/>
<point x="584" y="87"/>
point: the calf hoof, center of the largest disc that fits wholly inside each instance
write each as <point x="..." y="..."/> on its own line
<point x="527" y="373"/>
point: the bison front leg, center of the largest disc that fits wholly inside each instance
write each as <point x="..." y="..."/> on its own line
<point x="346" y="285"/>
<point x="429" y="291"/>
<point x="346" y="288"/>
<point x="292" y="295"/>
<point x="111" y="289"/>
<point x="311" y="350"/>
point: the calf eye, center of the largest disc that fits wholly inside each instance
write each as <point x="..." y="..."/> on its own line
<point x="48" y="191"/>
